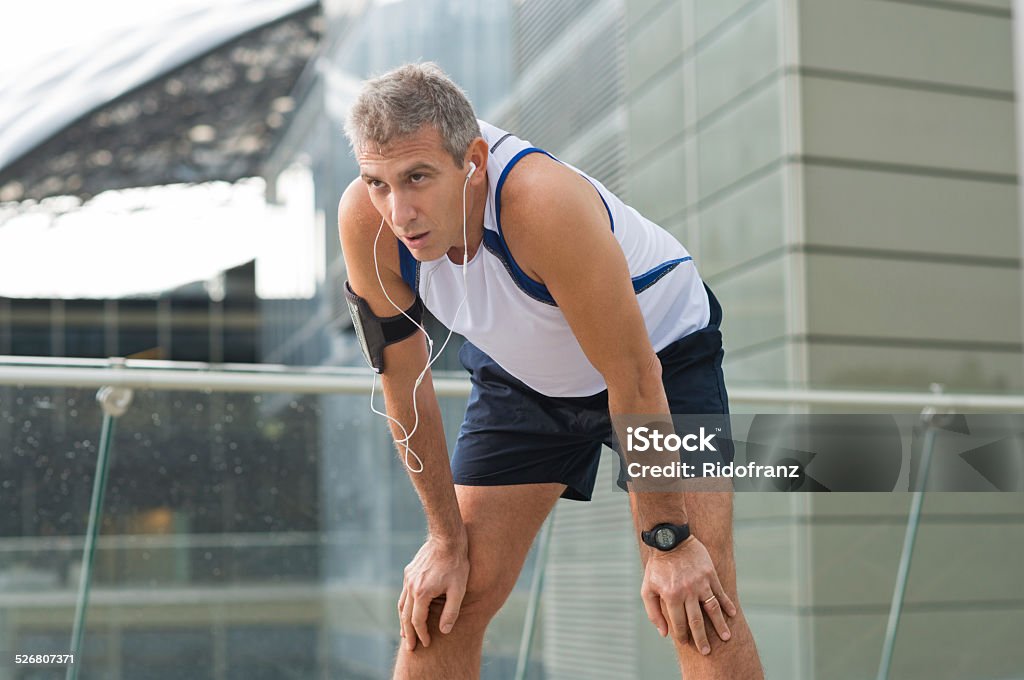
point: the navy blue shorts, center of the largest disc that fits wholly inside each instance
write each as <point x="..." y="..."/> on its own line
<point x="512" y="434"/>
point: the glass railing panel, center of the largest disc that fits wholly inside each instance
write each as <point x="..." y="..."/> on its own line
<point x="242" y="536"/>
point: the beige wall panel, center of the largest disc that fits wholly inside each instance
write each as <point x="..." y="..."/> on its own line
<point x="982" y="5"/>
<point x="778" y="638"/>
<point x="908" y="368"/>
<point x="743" y="140"/>
<point x="744" y="225"/>
<point x="896" y="505"/>
<point x="932" y="645"/>
<point x="707" y="16"/>
<point x="762" y="367"/>
<point x="904" y="40"/>
<point x="657" y="187"/>
<point x="765" y="562"/>
<point x="741" y="56"/>
<point x="878" y="298"/>
<point x="637" y="11"/>
<point x="753" y="305"/>
<point x="655" y="114"/>
<point x="874" y="123"/>
<point x="906" y="212"/>
<point x="654" y="43"/>
<point x="855" y="564"/>
<point x="752" y="508"/>
<point x="1006" y="505"/>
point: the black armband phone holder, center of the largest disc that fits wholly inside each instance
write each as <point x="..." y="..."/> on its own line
<point x="374" y="332"/>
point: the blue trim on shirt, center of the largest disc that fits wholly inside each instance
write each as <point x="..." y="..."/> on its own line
<point x="611" y="219"/>
<point x="494" y="244"/>
<point x="409" y="266"/>
<point x="534" y="289"/>
<point x="538" y="291"/>
<point x="650" y="277"/>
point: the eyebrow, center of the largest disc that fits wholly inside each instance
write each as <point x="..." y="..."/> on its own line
<point x="411" y="171"/>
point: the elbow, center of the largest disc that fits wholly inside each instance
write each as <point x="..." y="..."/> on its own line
<point x="637" y="384"/>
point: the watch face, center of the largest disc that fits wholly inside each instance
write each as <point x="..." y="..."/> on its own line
<point x="664" y="537"/>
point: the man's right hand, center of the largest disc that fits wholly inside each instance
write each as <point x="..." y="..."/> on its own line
<point x="440" y="570"/>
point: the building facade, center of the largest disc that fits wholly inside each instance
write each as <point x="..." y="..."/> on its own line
<point x="846" y="177"/>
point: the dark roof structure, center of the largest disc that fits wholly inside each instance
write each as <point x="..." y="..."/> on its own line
<point x="214" y="116"/>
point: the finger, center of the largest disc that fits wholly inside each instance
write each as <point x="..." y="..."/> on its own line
<point x="714" y="612"/>
<point x="401" y="605"/>
<point x="452" y="605"/>
<point x="695" y="618"/>
<point x="676" y="613"/>
<point x="723" y="598"/>
<point x="665" y="615"/>
<point x="420" y="610"/>
<point x="407" y="630"/>
<point x="652" y="604"/>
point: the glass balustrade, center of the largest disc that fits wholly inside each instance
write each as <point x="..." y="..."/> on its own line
<point x="242" y="535"/>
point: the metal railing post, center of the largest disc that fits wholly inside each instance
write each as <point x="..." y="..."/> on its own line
<point x="114" y="401"/>
<point x="909" y="538"/>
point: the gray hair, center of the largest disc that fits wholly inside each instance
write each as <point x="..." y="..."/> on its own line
<point x="402" y="101"/>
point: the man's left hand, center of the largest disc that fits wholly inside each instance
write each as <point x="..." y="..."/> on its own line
<point x="679" y="586"/>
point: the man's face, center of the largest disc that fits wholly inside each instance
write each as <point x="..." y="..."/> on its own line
<point x="415" y="185"/>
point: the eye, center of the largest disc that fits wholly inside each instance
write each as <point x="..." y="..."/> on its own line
<point x="417" y="177"/>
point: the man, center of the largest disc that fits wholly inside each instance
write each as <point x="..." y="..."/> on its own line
<point x="575" y="309"/>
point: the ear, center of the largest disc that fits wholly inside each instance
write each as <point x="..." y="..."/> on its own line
<point x="477" y="154"/>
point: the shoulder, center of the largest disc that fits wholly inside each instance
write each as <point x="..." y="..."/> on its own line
<point x="539" y="188"/>
<point x="535" y="179"/>
<point x="545" y="207"/>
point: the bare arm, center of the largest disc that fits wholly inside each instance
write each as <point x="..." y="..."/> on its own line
<point x="550" y="215"/>
<point x="441" y="567"/>
<point x="403" y="361"/>
<point x="562" y="218"/>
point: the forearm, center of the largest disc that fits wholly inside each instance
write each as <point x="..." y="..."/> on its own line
<point x="645" y="396"/>
<point x="433" y="481"/>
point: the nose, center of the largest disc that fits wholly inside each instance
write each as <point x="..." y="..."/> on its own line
<point x="402" y="210"/>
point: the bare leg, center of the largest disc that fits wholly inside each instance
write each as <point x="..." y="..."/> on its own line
<point x="710" y="519"/>
<point x="501" y="522"/>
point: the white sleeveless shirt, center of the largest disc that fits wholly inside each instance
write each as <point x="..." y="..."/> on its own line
<point x="514" y="319"/>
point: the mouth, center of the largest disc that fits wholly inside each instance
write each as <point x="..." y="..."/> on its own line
<point x="416" y="241"/>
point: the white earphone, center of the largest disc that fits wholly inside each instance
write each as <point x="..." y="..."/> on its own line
<point x="431" y="356"/>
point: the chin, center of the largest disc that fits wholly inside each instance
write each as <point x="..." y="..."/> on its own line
<point x="428" y="255"/>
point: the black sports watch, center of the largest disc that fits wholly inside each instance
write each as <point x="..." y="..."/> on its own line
<point x="666" y="536"/>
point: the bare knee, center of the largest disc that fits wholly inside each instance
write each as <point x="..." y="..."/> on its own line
<point x="486" y="592"/>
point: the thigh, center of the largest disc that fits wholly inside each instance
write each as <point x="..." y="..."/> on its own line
<point x="501" y="523"/>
